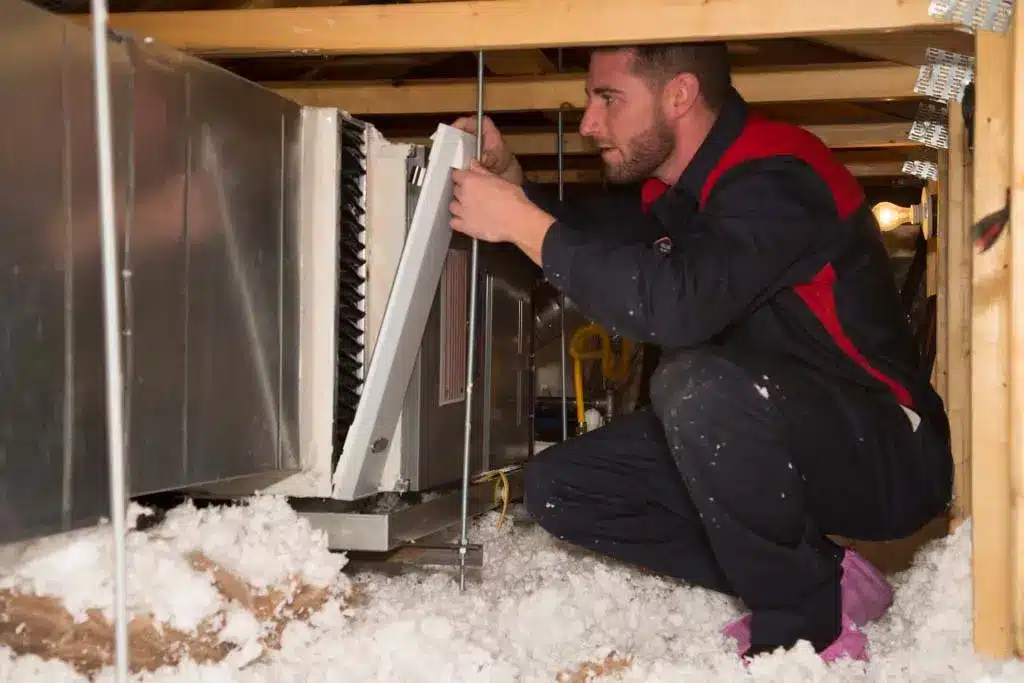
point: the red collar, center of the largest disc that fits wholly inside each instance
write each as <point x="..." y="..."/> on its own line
<point x="651" y="190"/>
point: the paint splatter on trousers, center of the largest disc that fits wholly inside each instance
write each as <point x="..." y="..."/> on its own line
<point x="733" y="477"/>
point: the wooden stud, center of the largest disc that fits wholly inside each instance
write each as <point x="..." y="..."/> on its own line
<point x="808" y="84"/>
<point x="955" y="304"/>
<point x="514" y="24"/>
<point x="990" y="371"/>
<point x="1016" y="240"/>
<point x="937" y="277"/>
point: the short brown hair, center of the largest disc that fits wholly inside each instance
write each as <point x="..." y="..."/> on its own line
<point x="660" y="63"/>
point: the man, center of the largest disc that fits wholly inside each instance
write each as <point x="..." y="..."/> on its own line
<point x="789" y="402"/>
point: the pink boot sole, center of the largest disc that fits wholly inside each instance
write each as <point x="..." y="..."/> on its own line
<point x="851" y="643"/>
<point x="866" y="595"/>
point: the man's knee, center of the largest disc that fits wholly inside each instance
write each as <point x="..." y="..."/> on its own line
<point x="701" y="398"/>
<point x="694" y="381"/>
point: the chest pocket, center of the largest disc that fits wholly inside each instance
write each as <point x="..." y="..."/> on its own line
<point x="676" y="220"/>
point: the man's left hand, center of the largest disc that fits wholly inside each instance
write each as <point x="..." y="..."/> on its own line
<point x="492" y="209"/>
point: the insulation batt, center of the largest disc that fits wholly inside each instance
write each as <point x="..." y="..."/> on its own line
<point x="540" y="608"/>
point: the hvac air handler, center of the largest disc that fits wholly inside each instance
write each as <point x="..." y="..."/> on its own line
<point x="790" y="402"/>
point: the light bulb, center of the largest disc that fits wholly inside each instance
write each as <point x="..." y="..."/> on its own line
<point x="890" y="216"/>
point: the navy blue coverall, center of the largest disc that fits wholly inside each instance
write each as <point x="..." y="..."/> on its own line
<point x="789" y="402"/>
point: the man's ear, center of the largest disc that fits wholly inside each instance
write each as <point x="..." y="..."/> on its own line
<point x="680" y="94"/>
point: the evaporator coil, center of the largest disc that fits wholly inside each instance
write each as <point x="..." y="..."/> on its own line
<point x="351" y="288"/>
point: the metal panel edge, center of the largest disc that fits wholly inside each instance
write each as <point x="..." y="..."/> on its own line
<point x="387" y="178"/>
<point x="317" y="237"/>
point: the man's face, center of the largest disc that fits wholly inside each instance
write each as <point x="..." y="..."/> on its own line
<point x="625" y="118"/>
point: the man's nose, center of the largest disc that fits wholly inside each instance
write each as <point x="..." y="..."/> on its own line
<point x="589" y="123"/>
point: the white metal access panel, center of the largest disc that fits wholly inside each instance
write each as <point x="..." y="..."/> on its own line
<point x="401" y="331"/>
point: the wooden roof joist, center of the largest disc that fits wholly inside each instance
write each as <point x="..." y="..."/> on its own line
<point x="550" y="92"/>
<point x="515" y="24"/>
<point x="866" y="169"/>
<point x="836" y="136"/>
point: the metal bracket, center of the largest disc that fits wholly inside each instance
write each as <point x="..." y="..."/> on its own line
<point x="986" y="15"/>
<point x="926" y="170"/>
<point x="931" y="127"/>
<point x="945" y="75"/>
<point x="416" y="555"/>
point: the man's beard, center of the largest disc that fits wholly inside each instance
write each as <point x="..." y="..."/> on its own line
<point x="643" y="155"/>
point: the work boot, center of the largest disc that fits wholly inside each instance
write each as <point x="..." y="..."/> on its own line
<point x="851" y="643"/>
<point x="865" y="594"/>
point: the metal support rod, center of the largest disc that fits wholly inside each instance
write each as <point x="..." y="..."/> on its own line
<point x="471" y="351"/>
<point x="563" y="362"/>
<point x="112" y="332"/>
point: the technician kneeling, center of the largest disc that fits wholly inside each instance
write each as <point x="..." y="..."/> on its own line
<point x="790" y="402"/>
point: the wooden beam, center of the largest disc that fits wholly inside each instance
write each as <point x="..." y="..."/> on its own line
<point x="847" y="135"/>
<point x="902" y="49"/>
<point x="836" y="136"/>
<point x="955" y="250"/>
<point x="874" y="169"/>
<point x="569" y="175"/>
<point x="990" y="412"/>
<point x="518" y="62"/>
<point x="514" y="24"/>
<point x="812" y="84"/>
<point x="1016" y="341"/>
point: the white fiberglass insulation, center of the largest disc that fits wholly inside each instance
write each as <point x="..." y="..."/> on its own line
<point x="539" y="609"/>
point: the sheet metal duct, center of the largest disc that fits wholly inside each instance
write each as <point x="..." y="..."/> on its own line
<point x="294" y="303"/>
<point x="209" y="283"/>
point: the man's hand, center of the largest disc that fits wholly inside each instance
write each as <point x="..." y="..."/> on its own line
<point x="492" y="209"/>
<point x="497" y="157"/>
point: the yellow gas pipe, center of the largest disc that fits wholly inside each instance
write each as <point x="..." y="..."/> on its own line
<point x="614" y="369"/>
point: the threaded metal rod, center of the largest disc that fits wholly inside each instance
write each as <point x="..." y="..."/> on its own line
<point x="563" y="362"/>
<point x="561" y="297"/>
<point x="474" y="265"/>
<point x="111" y="332"/>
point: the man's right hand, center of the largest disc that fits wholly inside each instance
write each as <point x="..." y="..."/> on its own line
<point x="497" y="157"/>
